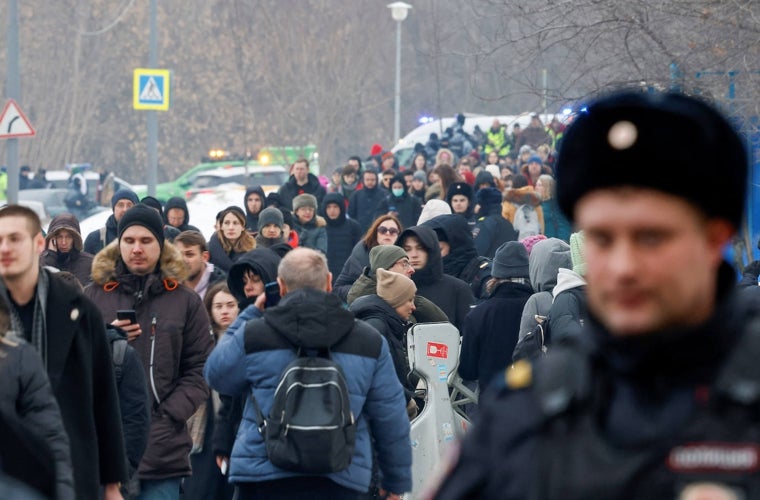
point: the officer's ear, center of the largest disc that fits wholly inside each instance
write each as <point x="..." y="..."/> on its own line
<point x="328" y="285"/>
<point x="283" y="287"/>
<point x="718" y="233"/>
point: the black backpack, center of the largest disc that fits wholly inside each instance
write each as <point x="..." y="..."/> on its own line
<point x="533" y="345"/>
<point x="310" y="427"/>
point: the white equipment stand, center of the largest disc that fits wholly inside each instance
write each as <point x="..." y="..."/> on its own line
<point x="433" y="350"/>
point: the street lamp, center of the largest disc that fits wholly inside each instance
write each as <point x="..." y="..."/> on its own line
<point x="399" y="11"/>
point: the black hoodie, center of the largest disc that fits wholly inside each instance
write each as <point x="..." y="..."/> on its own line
<point x="342" y="234"/>
<point x="407" y="207"/>
<point x="451" y="294"/>
<point x="177" y="202"/>
<point x="251" y="219"/>
<point x="463" y="261"/>
<point x="261" y="261"/>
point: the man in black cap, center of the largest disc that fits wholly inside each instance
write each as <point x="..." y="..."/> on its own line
<point x="144" y="273"/>
<point x="659" y="396"/>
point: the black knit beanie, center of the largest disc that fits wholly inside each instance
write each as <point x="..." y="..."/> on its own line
<point x="143" y="215"/>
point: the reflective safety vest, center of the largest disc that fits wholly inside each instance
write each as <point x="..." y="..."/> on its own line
<point x="717" y="449"/>
<point x="497" y="141"/>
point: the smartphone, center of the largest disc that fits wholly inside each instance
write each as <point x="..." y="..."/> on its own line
<point x="272" y="291"/>
<point x="127" y="314"/>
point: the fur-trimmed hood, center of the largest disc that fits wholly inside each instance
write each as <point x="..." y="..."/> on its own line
<point x="525" y="195"/>
<point x="108" y="266"/>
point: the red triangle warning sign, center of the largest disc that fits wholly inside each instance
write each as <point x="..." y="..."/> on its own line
<point x="13" y="122"/>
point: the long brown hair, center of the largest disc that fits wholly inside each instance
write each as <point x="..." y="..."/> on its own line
<point x="370" y="237"/>
<point x="447" y="176"/>
<point x="208" y="301"/>
<point x="245" y="243"/>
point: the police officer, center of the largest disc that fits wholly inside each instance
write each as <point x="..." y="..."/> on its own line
<point x="659" y="398"/>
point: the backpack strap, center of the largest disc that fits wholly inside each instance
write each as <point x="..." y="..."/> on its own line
<point x="103" y="236"/>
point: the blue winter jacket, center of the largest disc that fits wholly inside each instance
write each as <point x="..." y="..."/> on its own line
<point x="251" y="360"/>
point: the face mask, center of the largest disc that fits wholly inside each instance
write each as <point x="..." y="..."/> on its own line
<point x="397" y="192"/>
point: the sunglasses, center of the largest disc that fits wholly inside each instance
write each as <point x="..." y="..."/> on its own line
<point x="386" y="230"/>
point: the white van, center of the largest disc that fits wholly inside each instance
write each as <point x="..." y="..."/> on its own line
<point x="404" y="150"/>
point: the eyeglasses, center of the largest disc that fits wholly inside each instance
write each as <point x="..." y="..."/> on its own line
<point x="403" y="263"/>
<point x="386" y="230"/>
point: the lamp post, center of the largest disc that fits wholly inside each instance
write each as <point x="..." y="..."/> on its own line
<point x="399" y="11"/>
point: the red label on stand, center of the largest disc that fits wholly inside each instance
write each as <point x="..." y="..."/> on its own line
<point x="437" y="350"/>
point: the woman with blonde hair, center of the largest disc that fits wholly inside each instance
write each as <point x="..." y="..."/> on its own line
<point x="231" y="240"/>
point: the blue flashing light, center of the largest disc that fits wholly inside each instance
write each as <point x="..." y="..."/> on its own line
<point x="567" y="111"/>
<point x="425" y="119"/>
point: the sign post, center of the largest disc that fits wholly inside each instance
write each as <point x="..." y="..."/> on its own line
<point x="151" y="93"/>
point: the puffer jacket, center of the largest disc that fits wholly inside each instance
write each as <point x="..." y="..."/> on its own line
<point x="77" y="261"/>
<point x="252" y="359"/>
<point x="26" y="393"/>
<point x="291" y="189"/>
<point x="176" y="331"/>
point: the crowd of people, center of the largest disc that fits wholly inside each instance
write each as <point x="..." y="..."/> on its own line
<point x="151" y="357"/>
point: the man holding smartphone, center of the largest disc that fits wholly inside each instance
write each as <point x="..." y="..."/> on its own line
<point x="142" y="272"/>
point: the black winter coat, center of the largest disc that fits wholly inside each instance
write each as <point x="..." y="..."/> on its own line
<point x="363" y="204"/>
<point x="290" y="190"/>
<point x="133" y="400"/>
<point x="342" y="235"/>
<point x="406" y="207"/>
<point x="77" y="263"/>
<point x="219" y="257"/>
<point x="81" y="375"/>
<point x="451" y="294"/>
<point x="647" y="389"/>
<point x="94" y="244"/>
<point x="352" y="269"/>
<point x="375" y="311"/>
<point x="177" y="202"/>
<point x="252" y="220"/>
<point x="490" y="333"/>
<point x="27" y="401"/>
<point x="492" y="230"/>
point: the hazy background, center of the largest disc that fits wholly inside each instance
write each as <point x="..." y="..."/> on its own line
<point x="253" y="73"/>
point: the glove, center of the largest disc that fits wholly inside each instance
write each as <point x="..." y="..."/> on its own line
<point x="411" y="409"/>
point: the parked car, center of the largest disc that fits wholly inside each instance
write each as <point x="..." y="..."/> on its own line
<point x="270" y="178"/>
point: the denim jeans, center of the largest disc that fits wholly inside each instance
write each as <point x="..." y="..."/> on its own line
<point x="159" y="489"/>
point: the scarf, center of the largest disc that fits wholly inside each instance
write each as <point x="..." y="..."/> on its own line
<point x="39" y="337"/>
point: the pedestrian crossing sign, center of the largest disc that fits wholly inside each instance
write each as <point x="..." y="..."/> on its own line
<point x="151" y="89"/>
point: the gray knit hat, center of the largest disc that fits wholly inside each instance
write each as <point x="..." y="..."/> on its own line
<point x="384" y="256"/>
<point x="510" y="261"/>
<point x="304" y="200"/>
<point x="270" y="215"/>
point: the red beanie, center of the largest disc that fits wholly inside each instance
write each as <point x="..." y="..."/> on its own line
<point x="375" y="150"/>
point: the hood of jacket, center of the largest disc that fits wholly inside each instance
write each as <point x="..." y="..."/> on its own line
<point x="107" y="265"/>
<point x="65" y="221"/>
<point x="310" y="318"/>
<point x="262" y="261"/>
<point x="373" y="305"/>
<point x="525" y="195"/>
<point x="546" y="258"/>
<point x="433" y="270"/>
<point x="454" y="230"/>
<point x="567" y="279"/>
<point x="259" y="191"/>
<point x="177" y="202"/>
<point x="339" y="200"/>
